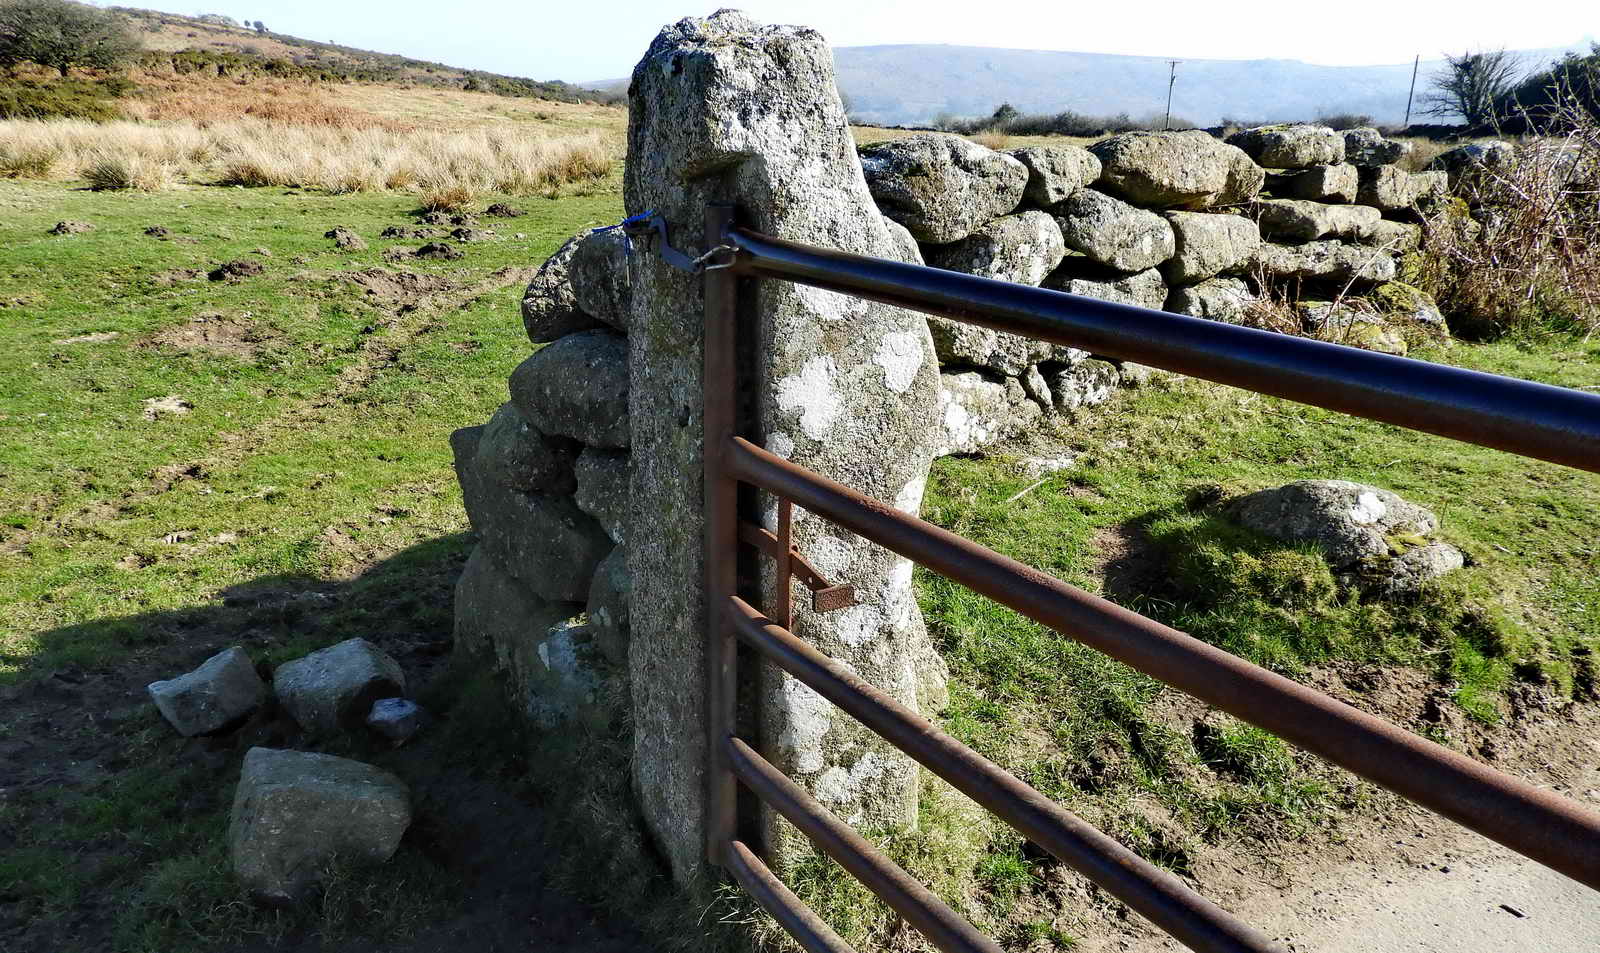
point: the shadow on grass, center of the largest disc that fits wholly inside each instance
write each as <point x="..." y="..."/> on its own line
<point x="401" y="602"/>
<point x="113" y="828"/>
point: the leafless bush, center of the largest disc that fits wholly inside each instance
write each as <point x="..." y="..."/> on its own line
<point x="1528" y="252"/>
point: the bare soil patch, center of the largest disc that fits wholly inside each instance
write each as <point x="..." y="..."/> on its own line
<point x="398" y="287"/>
<point x="172" y="276"/>
<point x="214" y="334"/>
<point x="71" y="729"/>
<point x="1130" y="563"/>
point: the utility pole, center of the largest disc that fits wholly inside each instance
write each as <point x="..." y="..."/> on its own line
<point x="1172" y="77"/>
<point x="1415" y="63"/>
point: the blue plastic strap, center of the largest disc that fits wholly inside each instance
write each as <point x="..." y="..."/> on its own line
<point x="627" y="240"/>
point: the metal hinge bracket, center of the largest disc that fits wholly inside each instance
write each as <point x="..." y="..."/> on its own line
<point x="825" y="596"/>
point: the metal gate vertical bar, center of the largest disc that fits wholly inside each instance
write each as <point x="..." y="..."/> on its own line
<point x="719" y="420"/>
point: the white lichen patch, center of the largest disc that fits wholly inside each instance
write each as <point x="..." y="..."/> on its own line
<point x="832" y="556"/>
<point x="909" y="499"/>
<point x="779" y="445"/>
<point x="830" y="305"/>
<point x="812" y="395"/>
<point x="859" y="624"/>
<point x="1368" y="509"/>
<point x="900" y="355"/>
<point x="839" y="786"/>
<point x="806" y="719"/>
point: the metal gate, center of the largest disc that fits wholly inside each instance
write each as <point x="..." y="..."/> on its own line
<point x="1534" y="420"/>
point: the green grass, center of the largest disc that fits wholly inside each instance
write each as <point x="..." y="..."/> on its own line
<point x="1162" y="774"/>
<point x="321" y="448"/>
<point x="316" y="458"/>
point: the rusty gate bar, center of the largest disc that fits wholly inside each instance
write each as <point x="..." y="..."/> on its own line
<point x="1537" y="420"/>
<point x="1156" y="895"/>
<point x="799" y="920"/>
<point x="932" y="917"/>
<point x="1556" y="831"/>
<point x="720" y="417"/>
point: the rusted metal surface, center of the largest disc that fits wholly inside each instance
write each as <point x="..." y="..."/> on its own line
<point x="721" y="496"/>
<point x="825" y="596"/>
<point x="799" y="920"/>
<point x="1553" y="830"/>
<point x="784" y="555"/>
<point x="1157" y="895"/>
<point x="1536" y="420"/>
<point x="932" y="917"/>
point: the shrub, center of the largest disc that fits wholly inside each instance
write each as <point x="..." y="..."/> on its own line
<point x="1342" y="121"/>
<point x="61" y="34"/>
<point x="1008" y="121"/>
<point x="64" y="99"/>
<point x="1537" y="103"/>
<point x="1521" y="246"/>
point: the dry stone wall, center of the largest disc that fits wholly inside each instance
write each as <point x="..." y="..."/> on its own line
<point x="1180" y="221"/>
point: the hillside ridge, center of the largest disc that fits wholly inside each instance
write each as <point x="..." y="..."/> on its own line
<point x="161" y="32"/>
<point x="918" y="83"/>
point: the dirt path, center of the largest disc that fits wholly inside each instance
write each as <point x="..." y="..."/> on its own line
<point x="1411" y="882"/>
<point x="1474" y="897"/>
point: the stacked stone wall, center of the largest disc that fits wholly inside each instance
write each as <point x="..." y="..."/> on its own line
<point x="1319" y="221"/>
<point x="545" y="595"/>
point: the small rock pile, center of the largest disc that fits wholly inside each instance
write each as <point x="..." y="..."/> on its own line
<point x="1179" y="221"/>
<point x="545" y="594"/>
<point x="295" y="811"/>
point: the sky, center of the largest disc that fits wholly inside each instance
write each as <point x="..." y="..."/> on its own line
<point x="585" y="40"/>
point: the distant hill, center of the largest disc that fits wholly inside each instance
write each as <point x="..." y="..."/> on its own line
<point x="914" y="84"/>
<point x="210" y="40"/>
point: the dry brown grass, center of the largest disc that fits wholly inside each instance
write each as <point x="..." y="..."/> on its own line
<point x="336" y="158"/>
<point x="114" y="171"/>
<point x="354" y="138"/>
<point x="1423" y="151"/>
<point x="992" y="140"/>
<point x="219" y="100"/>
<point x="450" y="198"/>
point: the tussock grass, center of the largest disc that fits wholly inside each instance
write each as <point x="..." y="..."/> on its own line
<point x="330" y="156"/>
<point x="129" y="171"/>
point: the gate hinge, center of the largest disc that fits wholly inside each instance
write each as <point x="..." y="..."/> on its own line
<point x="825" y="596"/>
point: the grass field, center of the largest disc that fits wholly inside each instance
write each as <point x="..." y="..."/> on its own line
<point x="300" y="492"/>
<point x="304" y="388"/>
<point x="306" y="496"/>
